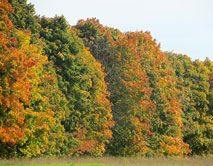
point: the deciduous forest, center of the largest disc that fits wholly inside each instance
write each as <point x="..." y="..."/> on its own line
<point x="89" y="89"/>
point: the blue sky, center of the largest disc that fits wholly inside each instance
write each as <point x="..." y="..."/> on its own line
<point x="181" y="26"/>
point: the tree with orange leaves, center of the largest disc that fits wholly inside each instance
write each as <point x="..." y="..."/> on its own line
<point x="14" y="86"/>
<point x="31" y="110"/>
<point x="167" y="121"/>
<point x="128" y="84"/>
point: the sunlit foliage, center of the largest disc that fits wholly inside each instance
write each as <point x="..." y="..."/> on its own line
<point x="93" y="90"/>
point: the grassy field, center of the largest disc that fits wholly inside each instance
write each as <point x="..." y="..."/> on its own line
<point x="109" y="161"/>
<point x="52" y="164"/>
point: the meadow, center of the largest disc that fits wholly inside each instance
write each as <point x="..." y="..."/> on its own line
<point x="109" y="161"/>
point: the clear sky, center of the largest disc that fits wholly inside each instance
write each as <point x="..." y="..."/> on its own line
<point x="181" y="26"/>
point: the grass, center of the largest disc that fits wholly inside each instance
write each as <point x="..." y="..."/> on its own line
<point x="109" y="161"/>
<point x="52" y="165"/>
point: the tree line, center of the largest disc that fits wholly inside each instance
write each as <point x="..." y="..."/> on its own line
<point x="93" y="90"/>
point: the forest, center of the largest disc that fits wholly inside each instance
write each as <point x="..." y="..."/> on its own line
<point x="92" y="90"/>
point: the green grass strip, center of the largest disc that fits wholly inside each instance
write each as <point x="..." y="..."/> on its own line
<point x="52" y="165"/>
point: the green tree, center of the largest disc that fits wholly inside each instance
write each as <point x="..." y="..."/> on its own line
<point x="24" y="18"/>
<point x="82" y="81"/>
<point x="194" y="84"/>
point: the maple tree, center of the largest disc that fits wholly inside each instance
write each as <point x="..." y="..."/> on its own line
<point x="131" y="102"/>
<point x="196" y="98"/>
<point x="12" y="82"/>
<point x="28" y="121"/>
<point x="47" y="107"/>
<point x="135" y="60"/>
<point x="82" y="81"/>
<point x="125" y="78"/>
<point x="167" y="121"/>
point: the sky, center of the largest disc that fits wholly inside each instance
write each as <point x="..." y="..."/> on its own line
<point x="180" y="26"/>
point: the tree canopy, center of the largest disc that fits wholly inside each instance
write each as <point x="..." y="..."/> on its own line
<point x="92" y="90"/>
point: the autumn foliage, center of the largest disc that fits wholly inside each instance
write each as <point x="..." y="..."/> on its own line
<point x="15" y="68"/>
<point x="92" y="90"/>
